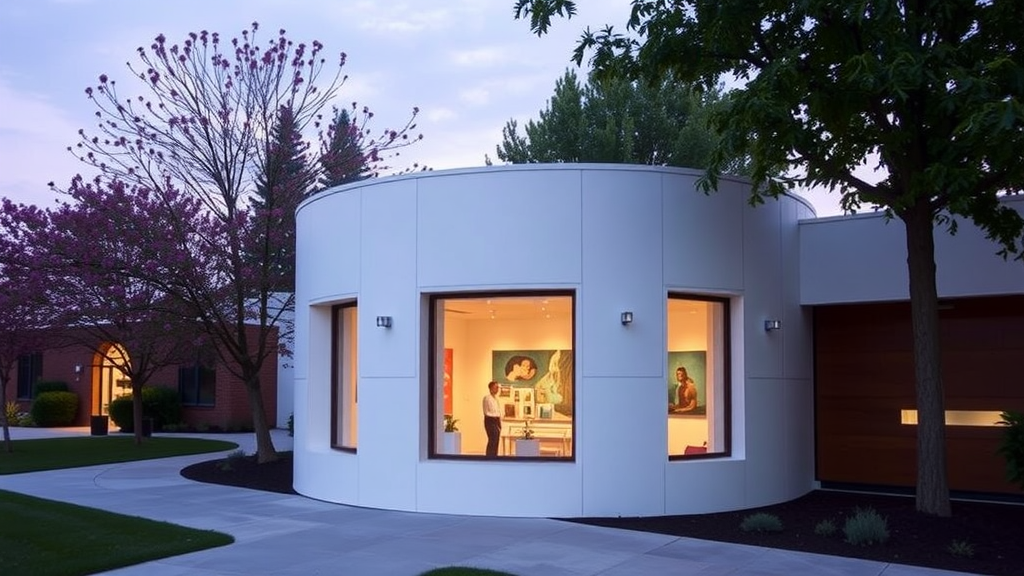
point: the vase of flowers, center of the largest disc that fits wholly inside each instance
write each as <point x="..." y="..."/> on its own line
<point x="527" y="444"/>
<point x="451" y="439"/>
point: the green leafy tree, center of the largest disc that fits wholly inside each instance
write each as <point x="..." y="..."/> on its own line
<point x="932" y="88"/>
<point x="343" y="159"/>
<point x="618" y="120"/>
<point x="282" y="184"/>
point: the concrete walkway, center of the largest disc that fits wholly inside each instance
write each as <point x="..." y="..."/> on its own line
<point x="282" y="535"/>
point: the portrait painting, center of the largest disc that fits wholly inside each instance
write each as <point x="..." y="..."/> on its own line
<point x="687" y="383"/>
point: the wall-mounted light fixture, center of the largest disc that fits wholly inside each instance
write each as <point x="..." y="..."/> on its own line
<point x="78" y="368"/>
<point x="770" y="325"/>
<point x="384" y="321"/>
<point x="626" y="318"/>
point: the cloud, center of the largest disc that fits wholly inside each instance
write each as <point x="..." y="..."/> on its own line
<point x="34" y="136"/>
<point x="478" y="57"/>
<point x="438" y="115"/>
<point x="479" y="96"/>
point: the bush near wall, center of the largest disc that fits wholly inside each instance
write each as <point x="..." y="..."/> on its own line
<point x="159" y="403"/>
<point x="55" y="409"/>
<point x="49" y="386"/>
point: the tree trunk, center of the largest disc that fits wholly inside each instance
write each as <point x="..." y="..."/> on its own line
<point x="265" y="451"/>
<point x="932" y="481"/>
<point x="8" y="445"/>
<point x="137" y="412"/>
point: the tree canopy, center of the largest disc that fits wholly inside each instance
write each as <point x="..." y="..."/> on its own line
<point x="617" y="120"/>
<point x="933" y="89"/>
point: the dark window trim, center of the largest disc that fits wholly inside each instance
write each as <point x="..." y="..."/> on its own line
<point x="337" y="315"/>
<point x="726" y="302"/>
<point x="196" y="383"/>
<point x="35" y="372"/>
<point x="432" y="371"/>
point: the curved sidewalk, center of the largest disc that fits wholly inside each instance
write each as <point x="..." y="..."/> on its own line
<point x="281" y="535"/>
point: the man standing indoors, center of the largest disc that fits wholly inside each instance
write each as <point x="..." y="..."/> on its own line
<point x="492" y="419"/>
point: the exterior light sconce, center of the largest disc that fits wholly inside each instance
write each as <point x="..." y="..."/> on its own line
<point x="78" y="368"/>
<point x="770" y="325"/>
<point x="384" y="321"/>
<point x="626" y="318"/>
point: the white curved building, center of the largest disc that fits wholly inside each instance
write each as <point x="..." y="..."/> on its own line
<point x="580" y="289"/>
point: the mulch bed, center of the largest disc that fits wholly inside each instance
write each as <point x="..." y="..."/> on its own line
<point x="995" y="531"/>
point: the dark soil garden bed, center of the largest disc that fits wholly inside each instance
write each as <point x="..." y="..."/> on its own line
<point x="995" y="532"/>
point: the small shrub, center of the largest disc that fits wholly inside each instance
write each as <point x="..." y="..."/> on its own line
<point x="12" y="410"/>
<point x="761" y="522"/>
<point x="162" y="405"/>
<point x="158" y="403"/>
<point x="120" y="411"/>
<point x="231" y="460"/>
<point x="44" y="386"/>
<point x="826" y="528"/>
<point x="961" y="549"/>
<point x="866" y="527"/>
<point x="55" y="409"/>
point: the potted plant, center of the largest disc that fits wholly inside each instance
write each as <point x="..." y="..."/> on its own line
<point x="527" y="444"/>
<point x="451" y="439"/>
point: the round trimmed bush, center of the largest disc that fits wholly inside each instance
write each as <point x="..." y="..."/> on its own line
<point x="55" y="409"/>
<point x="158" y="403"/>
<point x="120" y="411"/>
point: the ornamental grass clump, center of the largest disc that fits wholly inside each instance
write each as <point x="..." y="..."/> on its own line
<point x="961" y="549"/>
<point x="866" y="527"/>
<point x="826" y="528"/>
<point x="761" y="522"/>
<point x="232" y="460"/>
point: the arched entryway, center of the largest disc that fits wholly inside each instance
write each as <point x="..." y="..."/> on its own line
<point x="108" y="379"/>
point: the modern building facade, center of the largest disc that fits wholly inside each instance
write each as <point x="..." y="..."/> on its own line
<point x="653" y="346"/>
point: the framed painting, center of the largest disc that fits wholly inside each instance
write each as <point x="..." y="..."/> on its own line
<point x="448" y="364"/>
<point x="540" y="376"/>
<point x="687" y="382"/>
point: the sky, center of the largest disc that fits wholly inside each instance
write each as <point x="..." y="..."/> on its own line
<point x="468" y="66"/>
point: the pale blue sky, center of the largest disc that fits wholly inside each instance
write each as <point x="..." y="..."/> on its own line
<point x="467" y="64"/>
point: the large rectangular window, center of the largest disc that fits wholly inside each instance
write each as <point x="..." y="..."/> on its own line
<point x="698" y="377"/>
<point x="197" y="384"/>
<point x="344" y="374"/>
<point x="30" y="369"/>
<point x="523" y="343"/>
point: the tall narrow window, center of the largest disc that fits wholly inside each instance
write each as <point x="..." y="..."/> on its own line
<point x="30" y="368"/>
<point x="523" y="342"/>
<point x="697" y="390"/>
<point x="344" y="389"/>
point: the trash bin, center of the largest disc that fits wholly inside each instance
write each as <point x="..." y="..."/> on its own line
<point x="98" y="425"/>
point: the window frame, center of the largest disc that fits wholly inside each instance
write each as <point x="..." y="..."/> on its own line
<point x="432" y="370"/>
<point x="337" y="325"/>
<point x="726" y="303"/>
<point x="198" y="370"/>
<point x="28" y="378"/>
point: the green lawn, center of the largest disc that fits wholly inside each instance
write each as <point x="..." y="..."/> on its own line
<point x="72" y="452"/>
<point x="46" y="538"/>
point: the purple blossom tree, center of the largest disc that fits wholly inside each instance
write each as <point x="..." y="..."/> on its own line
<point x="21" y="317"/>
<point x="93" y="267"/>
<point x="206" y="127"/>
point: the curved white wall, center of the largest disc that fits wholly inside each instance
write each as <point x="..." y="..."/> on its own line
<point x="621" y="237"/>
